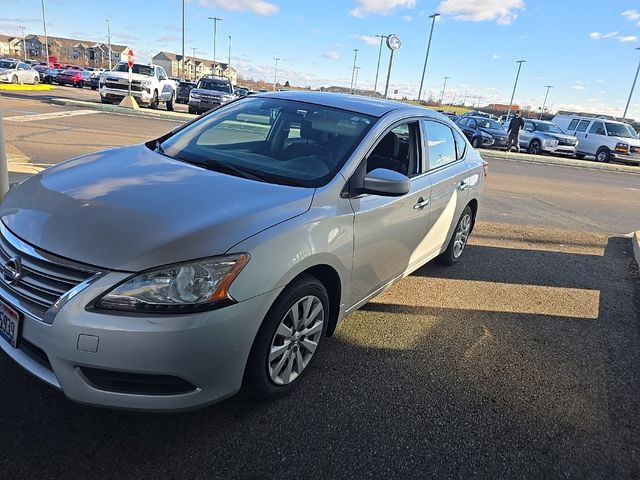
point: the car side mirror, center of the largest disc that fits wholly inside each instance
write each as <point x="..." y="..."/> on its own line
<point x="387" y="183"/>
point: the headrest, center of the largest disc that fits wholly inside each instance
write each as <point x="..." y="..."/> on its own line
<point x="389" y="146"/>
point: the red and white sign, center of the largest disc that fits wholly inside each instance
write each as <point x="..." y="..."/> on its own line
<point x="130" y="58"/>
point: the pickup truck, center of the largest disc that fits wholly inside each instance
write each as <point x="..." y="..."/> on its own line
<point x="150" y="85"/>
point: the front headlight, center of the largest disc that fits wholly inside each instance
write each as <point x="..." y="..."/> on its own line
<point x="184" y="288"/>
<point x="485" y="135"/>
<point x="194" y="95"/>
<point x="622" y="147"/>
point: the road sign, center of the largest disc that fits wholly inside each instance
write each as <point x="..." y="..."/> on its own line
<point x="130" y="58"/>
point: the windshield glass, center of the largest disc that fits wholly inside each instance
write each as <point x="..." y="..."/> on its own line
<point x="8" y="64"/>
<point x="548" y="127"/>
<point x="620" y="130"/>
<point x="137" y="68"/>
<point x="273" y="140"/>
<point x="216" y="85"/>
<point x="487" y="123"/>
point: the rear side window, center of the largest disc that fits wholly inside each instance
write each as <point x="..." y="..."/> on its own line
<point x="597" y="128"/>
<point x="440" y="144"/>
<point x="572" y="125"/>
<point x="461" y="144"/>
<point x="582" y="126"/>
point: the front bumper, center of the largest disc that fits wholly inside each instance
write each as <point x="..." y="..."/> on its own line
<point x="560" y="149"/>
<point x="118" y="94"/>
<point x="204" y="105"/>
<point x="207" y="350"/>
<point x="625" y="158"/>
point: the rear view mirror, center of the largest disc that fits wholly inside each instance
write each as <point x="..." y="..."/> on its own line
<point x="387" y="183"/>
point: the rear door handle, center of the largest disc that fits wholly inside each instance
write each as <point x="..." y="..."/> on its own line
<point x="421" y="204"/>
<point x="463" y="185"/>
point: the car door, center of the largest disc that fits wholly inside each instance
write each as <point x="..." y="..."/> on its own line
<point x="388" y="230"/>
<point x="581" y="134"/>
<point x="593" y="138"/>
<point x="464" y="126"/>
<point x="527" y="133"/>
<point x="449" y="178"/>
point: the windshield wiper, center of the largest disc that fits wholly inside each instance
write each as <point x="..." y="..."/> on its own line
<point x="225" y="167"/>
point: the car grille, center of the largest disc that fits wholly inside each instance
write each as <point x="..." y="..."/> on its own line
<point x="566" y="141"/>
<point x="44" y="279"/>
<point x="123" y="86"/>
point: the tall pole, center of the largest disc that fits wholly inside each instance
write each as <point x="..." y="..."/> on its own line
<point x="624" y="115"/>
<point x="426" y="58"/>
<point x="519" y="62"/>
<point x="109" y="39"/>
<point x="443" y="87"/>
<point x="46" y="39"/>
<point x="24" y="45"/>
<point x="355" y="82"/>
<point x="215" y="34"/>
<point x="545" y="99"/>
<point x="386" y="87"/>
<point x="375" y="85"/>
<point x="229" y="62"/>
<point x="193" y="57"/>
<point x="183" y="62"/>
<point x="353" y="71"/>
<point x="275" y="75"/>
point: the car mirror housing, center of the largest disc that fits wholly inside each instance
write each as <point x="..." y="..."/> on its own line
<point x="387" y="183"/>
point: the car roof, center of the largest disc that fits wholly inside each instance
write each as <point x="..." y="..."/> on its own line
<point x="375" y="107"/>
<point x="582" y="117"/>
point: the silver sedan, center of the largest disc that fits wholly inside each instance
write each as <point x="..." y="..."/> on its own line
<point x="168" y="275"/>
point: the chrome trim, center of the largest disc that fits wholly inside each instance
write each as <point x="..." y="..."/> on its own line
<point x="50" y="315"/>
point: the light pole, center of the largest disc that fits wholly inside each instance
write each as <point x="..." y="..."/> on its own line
<point x="109" y="40"/>
<point x="229" y="62"/>
<point x="275" y="76"/>
<point x="183" y="62"/>
<point x="519" y="62"/>
<point x="355" y="82"/>
<point x="375" y="85"/>
<point x="24" y="45"/>
<point x="393" y="43"/>
<point x="424" y="69"/>
<point x="353" y="71"/>
<point x="46" y="39"/>
<point x="633" y="85"/>
<point x="193" y="57"/>
<point x="443" y="87"/>
<point x="545" y="99"/>
<point x="215" y="34"/>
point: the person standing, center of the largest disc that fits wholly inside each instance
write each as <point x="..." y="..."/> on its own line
<point x="515" y="125"/>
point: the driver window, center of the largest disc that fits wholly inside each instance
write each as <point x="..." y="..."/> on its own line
<point x="397" y="150"/>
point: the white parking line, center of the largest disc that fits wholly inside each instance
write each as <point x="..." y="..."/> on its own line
<point x="49" y="116"/>
<point x="632" y="189"/>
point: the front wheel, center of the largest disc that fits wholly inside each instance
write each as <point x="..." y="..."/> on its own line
<point x="14" y="79"/>
<point x="476" y="142"/>
<point x="602" y="155"/>
<point x="459" y="238"/>
<point x="154" y="101"/>
<point x="288" y="339"/>
<point x="534" y="147"/>
<point x="580" y="155"/>
<point x="36" y="80"/>
<point x="170" y="105"/>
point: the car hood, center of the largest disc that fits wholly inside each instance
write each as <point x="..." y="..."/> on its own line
<point x="559" y="136"/>
<point x="210" y="93"/>
<point x="131" y="209"/>
<point x="494" y="132"/>
<point x="7" y="70"/>
<point x="125" y="76"/>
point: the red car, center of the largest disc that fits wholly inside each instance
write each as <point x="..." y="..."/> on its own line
<point x="77" y="78"/>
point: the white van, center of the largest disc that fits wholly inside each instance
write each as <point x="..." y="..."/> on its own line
<point x="605" y="139"/>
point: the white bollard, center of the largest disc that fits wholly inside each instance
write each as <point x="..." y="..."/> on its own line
<point x="4" y="168"/>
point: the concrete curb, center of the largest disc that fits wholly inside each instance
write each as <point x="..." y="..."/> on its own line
<point x="636" y="246"/>
<point x="561" y="161"/>
<point x="105" y="107"/>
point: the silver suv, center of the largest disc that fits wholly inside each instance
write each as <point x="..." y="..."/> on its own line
<point x="539" y="136"/>
<point x="167" y="275"/>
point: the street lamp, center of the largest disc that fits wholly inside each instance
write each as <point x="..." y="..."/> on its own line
<point x="183" y="62"/>
<point x="46" y="39"/>
<point x="229" y="62"/>
<point x="393" y="43"/>
<point x="443" y="87"/>
<point x="375" y="85"/>
<point x="215" y="33"/>
<point x="545" y="99"/>
<point x="633" y="85"/>
<point x="275" y="76"/>
<point x="194" y="62"/>
<point x="24" y="45"/>
<point x="353" y="72"/>
<point x="424" y="69"/>
<point x="519" y="62"/>
<point x="355" y="82"/>
<point x="109" y="40"/>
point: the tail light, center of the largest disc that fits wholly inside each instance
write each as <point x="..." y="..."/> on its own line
<point x="485" y="168"/>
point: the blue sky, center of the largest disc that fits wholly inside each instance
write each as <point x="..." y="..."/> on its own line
<point x="585" y="49"/>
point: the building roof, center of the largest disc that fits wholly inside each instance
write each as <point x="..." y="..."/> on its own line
<point x="174" y="57"/>
<point x="74" y="42"/>
<point x="6" y="38"/>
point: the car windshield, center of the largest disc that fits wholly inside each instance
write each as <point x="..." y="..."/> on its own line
<point x="7" y="64"/>
<point x="137" y="68"/>
<point x="490" y="124"/>
<point x="272" y="140"/>
<point x="215" y="85"/>
<point x="548" y="127"/>
<point x="620" y="130"/>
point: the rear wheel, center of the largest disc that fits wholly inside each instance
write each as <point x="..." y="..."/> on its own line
<point x="288" y="339"/>
<point x="459" y="238"/>
<point x="602" y="155"/>
<point x="534" y="147"/>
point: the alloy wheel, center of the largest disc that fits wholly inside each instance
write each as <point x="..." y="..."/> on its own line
<point x="295" y="340"/>
<point x="461" y="235"/>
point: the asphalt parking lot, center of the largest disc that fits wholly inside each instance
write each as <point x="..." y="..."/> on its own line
<point x="519" y="362"/>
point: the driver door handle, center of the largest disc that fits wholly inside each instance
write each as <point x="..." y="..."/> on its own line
<point x="463" y="185"/>
<point x="421" y="204"/>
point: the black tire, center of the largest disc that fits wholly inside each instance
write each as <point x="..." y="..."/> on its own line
<point x="580" y="155"/>
<point x="476" y="142"/>
<point x="104" y="100"/>
<point x="170" y="105"/>
<point x="192" y="110"/>
<point x="535" y="148"/>
<point x="602" y="155"/>
<point x="257" y="380"/>
<point x="451" y="256"/>
<point x="36" y="80"/>
<point x="153" y="104"/>
<point x="14" y="79"/>
<point x="94" y="88"/>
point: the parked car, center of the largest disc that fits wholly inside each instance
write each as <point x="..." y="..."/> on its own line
<point x="302" y="206"/>
<point x="483" y="132"/>
<point x="210" y="92"/>
<point x="540" y="136"/>
<point x="242" y="92"/>
<point x="477" y="113"/>
<point x="12" y="71"/>
<point x="150" y="85"/>
<point x="184" y="88"/>
<point x="47" y="75"/>
<point x="69" y="77"/>
<point x="606" y="140"/>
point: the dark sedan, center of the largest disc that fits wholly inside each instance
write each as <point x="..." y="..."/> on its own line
<point x="184" y="88"/>
<point x="47" y="75"/>
<point x="483" y="132"/>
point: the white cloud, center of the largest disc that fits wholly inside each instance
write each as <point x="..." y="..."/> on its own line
<point x="260" y="7"/>
<point x="632" y="15"/>
<point x="628" y="38"/>
<point x="504" y="12"/>
<point x="599" y="36"/>
<point x="380" y="7"/>
<point x="577" y="87"/>
<point x="495" y="56"/>
<point x="332" y="55"/>
<point x="368" y="39"/>
<point x="407" y="18"/>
